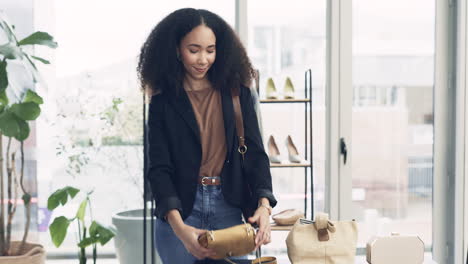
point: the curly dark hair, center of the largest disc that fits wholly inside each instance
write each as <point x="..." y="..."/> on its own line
<point x="159" y="70"/>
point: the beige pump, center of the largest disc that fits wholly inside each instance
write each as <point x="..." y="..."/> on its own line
<point x="288" y="89"/>
<point x="271" y="92"/>
<point x="273" y="151"/>
<point x="292" y="151"/>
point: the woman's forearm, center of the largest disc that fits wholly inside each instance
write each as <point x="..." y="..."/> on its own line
<point x="175" y="220"/>
<point x="264" y="201"/>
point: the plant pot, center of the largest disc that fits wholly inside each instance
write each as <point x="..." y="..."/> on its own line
<point x="129" y="238"/>
<point x="32" y="254"/>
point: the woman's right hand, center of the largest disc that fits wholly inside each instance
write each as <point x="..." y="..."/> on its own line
<point x="189" y="237"/>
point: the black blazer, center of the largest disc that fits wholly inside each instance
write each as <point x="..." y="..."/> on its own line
<point x="174" y="152"/>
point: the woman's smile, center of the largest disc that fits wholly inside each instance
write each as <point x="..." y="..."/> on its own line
<point x="200" y="70"/>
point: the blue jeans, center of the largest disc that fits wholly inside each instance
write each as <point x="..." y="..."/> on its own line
<point x="210" y="212"/>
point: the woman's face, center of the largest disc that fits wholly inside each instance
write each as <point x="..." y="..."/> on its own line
<point x="198" y="52"/>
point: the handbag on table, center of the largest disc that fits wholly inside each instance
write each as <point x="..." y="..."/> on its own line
<point x="322" y="241"/>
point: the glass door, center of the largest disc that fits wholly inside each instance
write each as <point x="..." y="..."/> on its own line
<point x="391" y="148"/>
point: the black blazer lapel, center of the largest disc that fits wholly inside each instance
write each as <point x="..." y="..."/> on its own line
<point x="183" y="106"/>
<point x="228" y="116"/>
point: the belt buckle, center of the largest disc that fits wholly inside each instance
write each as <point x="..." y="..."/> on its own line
<point x="213" y="180"/>
<point x="203" y="181"/>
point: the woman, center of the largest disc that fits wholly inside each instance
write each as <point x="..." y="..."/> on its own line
<point x="192" y="62"/>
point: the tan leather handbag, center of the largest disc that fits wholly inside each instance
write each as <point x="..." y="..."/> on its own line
<point x="322" y="241"/>
<point x="234" y="241"/>
<point x="264" y="260"/>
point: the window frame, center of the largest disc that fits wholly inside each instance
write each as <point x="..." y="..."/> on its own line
<point x="461" y="147"/>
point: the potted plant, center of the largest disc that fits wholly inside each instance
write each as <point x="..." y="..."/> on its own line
<point x="88" y="235"/>
<point x="18" y="106"/>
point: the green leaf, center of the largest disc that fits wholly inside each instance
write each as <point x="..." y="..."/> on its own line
<point x="54" y="199"/>
<point x="41" y="59"/>
<point x="72" y="191"/>
<point x="87" y="242"/>
<point x="24" y="130"/>
<point x="103" y="233"/>
<point x="60" y="196"/>
<point x="10" y="52"/>
<point x="39" y="38"/>
<point x="82" y="210"/>
<point x="26" y="198"/>
<point x="64" y="198"/>
<point x="32" y="96"/>
<point x="9" y="124"/>
<point x="58" y="230"/>
<point x="26" y="111"/>
<point x="3" y="76"/>
<point x="93" y="228"/>
<point x="3" y="100"/>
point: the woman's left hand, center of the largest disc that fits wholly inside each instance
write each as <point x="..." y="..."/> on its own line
<point x="262" y="218"/>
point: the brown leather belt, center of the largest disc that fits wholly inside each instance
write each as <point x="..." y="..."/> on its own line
<point x="209" y="181"/>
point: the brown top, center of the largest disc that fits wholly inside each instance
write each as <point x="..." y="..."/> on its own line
<point x="208" y="111"/>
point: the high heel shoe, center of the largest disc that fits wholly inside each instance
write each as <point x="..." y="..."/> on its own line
<point x="288" y="89"/>
<point x="292" y="151"/>
<point x="273" y="151"/>
<point x="271" y="92"/>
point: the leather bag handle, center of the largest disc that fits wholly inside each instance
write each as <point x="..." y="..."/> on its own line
<point x="323" y="226"/>
<point x="242" y="148"/>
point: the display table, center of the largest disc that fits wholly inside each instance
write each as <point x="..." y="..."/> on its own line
<point x="222" y="261"/>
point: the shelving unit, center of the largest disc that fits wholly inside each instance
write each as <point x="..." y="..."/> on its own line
<point x="289" y="165"/>
<point x="308" y="155"/>
<point x="275" y="101"/>
<point x="280" y="228"/>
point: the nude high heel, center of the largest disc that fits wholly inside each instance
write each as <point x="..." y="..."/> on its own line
<point x="293" y="154"/>
<point x="271" y="92"/>
<point x="288" y="89"/>
<point x="273" y="151"/>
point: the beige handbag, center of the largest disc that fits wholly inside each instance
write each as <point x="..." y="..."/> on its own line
<point x="322" y="241"/>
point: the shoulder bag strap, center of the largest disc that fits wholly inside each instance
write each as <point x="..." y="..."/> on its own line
<point x="239" y="125"/>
